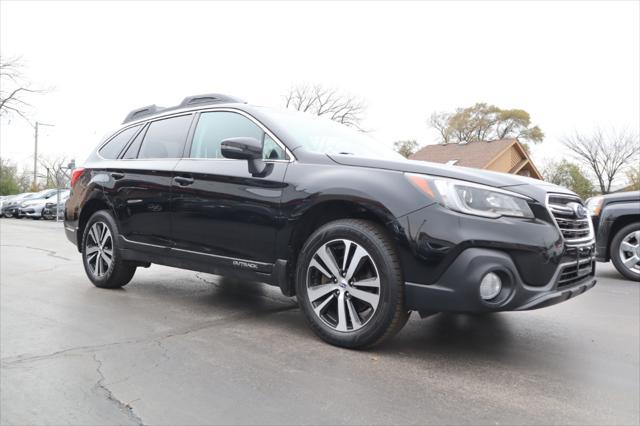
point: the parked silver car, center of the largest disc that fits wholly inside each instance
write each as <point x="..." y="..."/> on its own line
<point x="34" y="206"/>
<point x="11" y="204"/>
<point x="51" y="210"/>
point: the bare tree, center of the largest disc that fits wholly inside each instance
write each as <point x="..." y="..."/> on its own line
<point x="57" y="171"/>
<point x="330" y="102"/>
<point x="14" y="86"/>
<point x="440" y="122"/>
<point x="606" y="154"/>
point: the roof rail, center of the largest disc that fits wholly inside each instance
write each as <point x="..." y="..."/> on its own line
<point x="142" y="112"/>
<point x="206" y="99"/>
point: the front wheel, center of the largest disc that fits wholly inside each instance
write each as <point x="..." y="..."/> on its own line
<point x="102" y="262"/>
<point x="625" y="251"/>
<point x="349" y="284"/>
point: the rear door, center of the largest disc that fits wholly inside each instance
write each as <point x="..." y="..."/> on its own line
<point x="221" y="213"/>
<point x="140" y="182"/>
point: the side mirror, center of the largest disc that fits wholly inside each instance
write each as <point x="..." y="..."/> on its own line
<point x="241" y="148"/>
<point x="249" y="149"/>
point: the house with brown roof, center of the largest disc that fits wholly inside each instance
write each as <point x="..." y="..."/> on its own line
<point x="504" y="155"/>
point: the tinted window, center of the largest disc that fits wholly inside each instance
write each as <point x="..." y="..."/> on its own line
<point x="134" y="147"/>
<point x="112" y="148"/>
<point x="165" y="138"/>
<point x="214" y="127"/>
<point x="271" y="150"/>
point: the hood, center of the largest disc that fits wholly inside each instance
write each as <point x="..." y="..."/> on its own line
<point x="533" y="188"/>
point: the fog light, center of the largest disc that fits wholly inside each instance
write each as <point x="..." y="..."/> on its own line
<point x="490" y="286"/>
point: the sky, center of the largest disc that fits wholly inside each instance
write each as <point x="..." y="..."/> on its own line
<point x="572" y="65"/>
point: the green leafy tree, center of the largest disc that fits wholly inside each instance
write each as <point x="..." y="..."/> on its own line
<point x="406" y="148"/>
<point x="485" y="122"/>
<point x="9" y="181"/>
<point x="569" y="175"/>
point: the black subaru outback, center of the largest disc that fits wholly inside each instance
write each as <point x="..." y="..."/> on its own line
<point x="360" y="235"/>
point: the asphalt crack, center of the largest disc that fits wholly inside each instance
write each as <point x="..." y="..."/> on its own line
<point x="123" y="407"/>
<point x="51" y="253"/>
<point x="13" y="361"/>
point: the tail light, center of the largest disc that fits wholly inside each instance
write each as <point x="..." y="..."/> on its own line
<point x="75" y="175"/>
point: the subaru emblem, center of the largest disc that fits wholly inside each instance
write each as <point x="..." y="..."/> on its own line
<point x="578" y="210"/>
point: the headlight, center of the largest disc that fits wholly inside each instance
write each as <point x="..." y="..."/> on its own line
<point x="472" y="198"/>
<point x="594" y="205"/>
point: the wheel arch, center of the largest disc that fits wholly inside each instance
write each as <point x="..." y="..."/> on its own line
<point x="618" y="224"/>
<point x="328" y="210"/>
<point x="95" y="203"/>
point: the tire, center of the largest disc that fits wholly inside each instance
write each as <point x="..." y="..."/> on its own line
<point x="628" y="238"/>
<point x="103" y="274"/>
<point x="371" y="261"/>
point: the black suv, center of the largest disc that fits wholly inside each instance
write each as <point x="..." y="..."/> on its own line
<point x="359" y="234"/>
<point x="616" y="219"/>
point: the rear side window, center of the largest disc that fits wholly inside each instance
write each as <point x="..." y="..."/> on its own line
<point x="134" y="147"/>
<point x="111" y="149"/>
<point x="165" y="138"/>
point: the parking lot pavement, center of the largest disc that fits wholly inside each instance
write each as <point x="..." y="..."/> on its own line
<point x="179" y="347"/>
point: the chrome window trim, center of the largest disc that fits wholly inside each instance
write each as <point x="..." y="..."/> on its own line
<point x="113" y="135"/>
<point x="201" y="110"/>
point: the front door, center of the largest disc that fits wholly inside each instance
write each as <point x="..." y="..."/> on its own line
<point x="221" y="212"/>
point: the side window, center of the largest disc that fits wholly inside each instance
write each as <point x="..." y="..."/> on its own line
<point x="214" y="127"/>
<point x="271" y="150"/>
<point x="165" y="138"/>
<point x="134" y="147"/>
<point x="111" y="149"/>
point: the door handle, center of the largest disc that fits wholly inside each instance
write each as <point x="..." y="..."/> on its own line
<point x="183" y="181"/>
<point x="117" y="175"/>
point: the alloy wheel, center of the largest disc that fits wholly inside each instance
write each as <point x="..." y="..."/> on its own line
<point x="629" y="252"/>
<point x="343" y="285"/>
<point x="99" y="249"/>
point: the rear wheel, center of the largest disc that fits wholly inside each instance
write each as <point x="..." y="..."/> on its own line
<point x="350" y="285"/>
<point x="102" y="262"/>
<point x="625" y="251"/>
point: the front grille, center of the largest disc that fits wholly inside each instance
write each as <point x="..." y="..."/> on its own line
<point x="574" y="272"/>
<point x="574" y="229"/>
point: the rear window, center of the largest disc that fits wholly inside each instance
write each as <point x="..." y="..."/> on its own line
<point x="165" y="138"/>
<point x="112" y="149"/>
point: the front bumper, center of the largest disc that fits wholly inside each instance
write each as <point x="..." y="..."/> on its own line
<point x="30" y="212"/>
<point x="457" y="289"/>
<point x="11" y="211"/>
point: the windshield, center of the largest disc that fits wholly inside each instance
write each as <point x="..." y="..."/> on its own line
<point x="325" y="136"/>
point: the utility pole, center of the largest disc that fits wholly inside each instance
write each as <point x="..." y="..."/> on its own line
<point x="35" y="153"/>
<point x="35" y="159"/>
